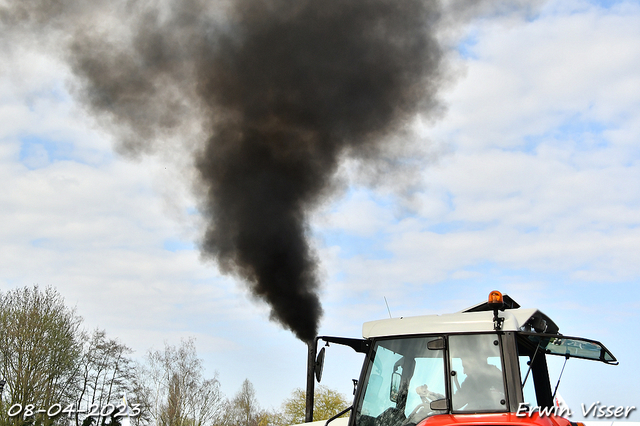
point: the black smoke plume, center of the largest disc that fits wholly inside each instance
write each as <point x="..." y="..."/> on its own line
<point x="270" y="94"/>
<point x="301" y="84"/>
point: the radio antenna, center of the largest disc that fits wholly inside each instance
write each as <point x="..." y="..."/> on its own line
<point x="386" y="303"/>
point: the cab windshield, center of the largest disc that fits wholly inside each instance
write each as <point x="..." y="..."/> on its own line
<point x="403" y="378"/>
<point x="407" y="381"/>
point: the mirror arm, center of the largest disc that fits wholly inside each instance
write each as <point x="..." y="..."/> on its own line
<point x="339" y="414"/>
<point x="358" y="345"/>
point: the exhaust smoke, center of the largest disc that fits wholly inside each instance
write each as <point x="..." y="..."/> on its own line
<point x="269" y="95"/>
<point x="301" y="84"/>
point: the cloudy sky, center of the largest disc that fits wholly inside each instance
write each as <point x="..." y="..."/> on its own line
<point x="529" y="183"/>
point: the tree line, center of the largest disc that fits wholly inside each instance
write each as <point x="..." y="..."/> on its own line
<point x="54" y="371"/>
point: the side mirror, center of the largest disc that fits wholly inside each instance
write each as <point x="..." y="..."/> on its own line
<point x="396" y="378"/>
<point x="319" y="365"/>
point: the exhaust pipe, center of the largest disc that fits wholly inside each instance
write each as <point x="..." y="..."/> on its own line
<point x="311" y="369"/>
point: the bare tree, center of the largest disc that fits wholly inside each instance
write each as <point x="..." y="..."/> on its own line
<point x="40" y="347"/>
<point x="244" y="409"/>
<point x="106" y="373"/>
<point x="174" y="391"/>
<point x="171" y="415"/>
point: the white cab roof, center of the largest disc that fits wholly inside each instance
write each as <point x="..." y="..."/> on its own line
<point x="459" y="322"/>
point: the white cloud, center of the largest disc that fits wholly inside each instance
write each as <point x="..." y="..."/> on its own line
<point x="539" y="196"/>
<point x="530" y="78"/>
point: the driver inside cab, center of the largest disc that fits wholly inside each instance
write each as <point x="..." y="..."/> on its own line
<point x="483" y="387"/>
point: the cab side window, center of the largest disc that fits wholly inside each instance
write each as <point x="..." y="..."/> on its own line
<point x="477" y="380"/>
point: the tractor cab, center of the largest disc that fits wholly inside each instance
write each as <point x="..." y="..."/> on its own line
<point x="489" y="360"/>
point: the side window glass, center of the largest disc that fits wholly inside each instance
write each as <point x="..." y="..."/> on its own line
<point x="528" y="389"/>
<point x="477" y="381"/>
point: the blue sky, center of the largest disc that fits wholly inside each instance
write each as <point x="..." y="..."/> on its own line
<point x="529" y="183"/>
